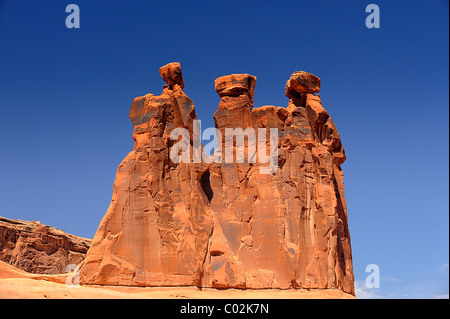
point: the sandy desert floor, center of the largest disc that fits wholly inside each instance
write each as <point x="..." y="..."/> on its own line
<point x="16" y="284"/>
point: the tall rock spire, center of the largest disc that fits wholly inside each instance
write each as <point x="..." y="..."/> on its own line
<point x="227" y="225"/>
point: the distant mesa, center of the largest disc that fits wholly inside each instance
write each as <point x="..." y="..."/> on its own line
<point x="39" y="249"/>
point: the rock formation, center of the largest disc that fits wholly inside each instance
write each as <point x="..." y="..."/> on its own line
<point x="39" y="249"/>
<point x="227" y="225"/>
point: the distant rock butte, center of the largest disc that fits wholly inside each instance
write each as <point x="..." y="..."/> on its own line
<point x="39" y="249"/>
<point x="227" y="225"/>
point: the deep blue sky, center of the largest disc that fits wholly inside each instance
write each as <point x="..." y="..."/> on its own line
<point x="65" y="95"/>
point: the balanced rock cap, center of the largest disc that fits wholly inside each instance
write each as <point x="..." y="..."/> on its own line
<point x="171" y="74"/>
<point x="235" y="84"/>
<point x="302" y="82"/>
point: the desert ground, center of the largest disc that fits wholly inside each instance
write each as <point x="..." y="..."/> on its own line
<point x="17" y="284"/>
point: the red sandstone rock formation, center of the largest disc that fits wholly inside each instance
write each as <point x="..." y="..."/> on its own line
<point x="227" y="225"/>
<point x="39" y="249"/>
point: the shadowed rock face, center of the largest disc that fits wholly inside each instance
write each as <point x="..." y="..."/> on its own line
<point x="227" y="225"/>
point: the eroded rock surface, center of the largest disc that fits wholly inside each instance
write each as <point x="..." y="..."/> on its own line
<point x="39" y="249"/>
<point x="228" y="225"/>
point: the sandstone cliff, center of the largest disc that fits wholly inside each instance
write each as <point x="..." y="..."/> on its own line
<point x="39" y="249"/>
<point x="222" y="225"/>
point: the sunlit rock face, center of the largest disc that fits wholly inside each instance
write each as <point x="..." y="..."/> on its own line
<point x="227" y="224"/>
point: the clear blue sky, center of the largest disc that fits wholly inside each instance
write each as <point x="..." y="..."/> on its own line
<point x="65" y="95"/>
